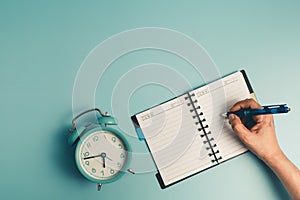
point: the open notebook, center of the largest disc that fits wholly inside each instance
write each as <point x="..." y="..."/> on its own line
<point x="188" y="134"/>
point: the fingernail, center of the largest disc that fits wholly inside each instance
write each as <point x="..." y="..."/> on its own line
<point x="231" y="117"/>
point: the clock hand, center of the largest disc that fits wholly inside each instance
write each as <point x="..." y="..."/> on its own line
<point x="103" y="155"/>
<point x="108" y="158"/>
<point x="92" y="157"/>
<point x="103" y="162"/>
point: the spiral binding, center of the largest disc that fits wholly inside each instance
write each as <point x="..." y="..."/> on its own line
<point x="203" y="128"/>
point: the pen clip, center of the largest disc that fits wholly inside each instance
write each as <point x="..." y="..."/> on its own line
<point x="275" y="106"/>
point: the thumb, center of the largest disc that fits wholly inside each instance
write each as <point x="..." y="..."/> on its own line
<point x="238" y="127"/>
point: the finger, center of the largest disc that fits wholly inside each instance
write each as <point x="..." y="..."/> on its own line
<point x="245" y="104"/>
<point x="256" y="128"/>
<point x="265" y="119"/>
<point x="238" y="127"/>
<point x="258" y="118"/>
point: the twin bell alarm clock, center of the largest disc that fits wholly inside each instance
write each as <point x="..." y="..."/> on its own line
<point x="102" y="153"/>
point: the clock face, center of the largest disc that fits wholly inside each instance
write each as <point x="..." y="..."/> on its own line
<point x="102" y="155"/>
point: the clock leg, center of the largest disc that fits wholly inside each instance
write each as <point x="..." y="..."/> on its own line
<point x="99" y="185"/>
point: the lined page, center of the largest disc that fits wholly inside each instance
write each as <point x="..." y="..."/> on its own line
<point x="174" y="140"/>
<point x="215" y="99"/>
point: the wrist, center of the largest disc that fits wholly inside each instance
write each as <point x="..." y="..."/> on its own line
<point x="274" y="158"/>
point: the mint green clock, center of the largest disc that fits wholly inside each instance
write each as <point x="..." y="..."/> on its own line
<point x="102" y="152"/>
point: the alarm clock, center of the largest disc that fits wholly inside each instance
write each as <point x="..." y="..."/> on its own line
<point x="102" y="153"/>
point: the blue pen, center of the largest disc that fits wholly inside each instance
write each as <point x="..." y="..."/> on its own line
<point x="272" y="109"/>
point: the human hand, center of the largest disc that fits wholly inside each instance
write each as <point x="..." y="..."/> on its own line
<point x="261" y="137"/>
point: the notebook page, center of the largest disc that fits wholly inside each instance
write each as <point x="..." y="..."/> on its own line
<point x="215" y="99"/>
<point x="173" y="139"/>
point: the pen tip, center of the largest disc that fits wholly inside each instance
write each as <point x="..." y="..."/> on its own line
<point x="224" y="115"/>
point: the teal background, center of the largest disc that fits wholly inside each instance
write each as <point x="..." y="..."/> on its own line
<point x="43" y="44"/>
